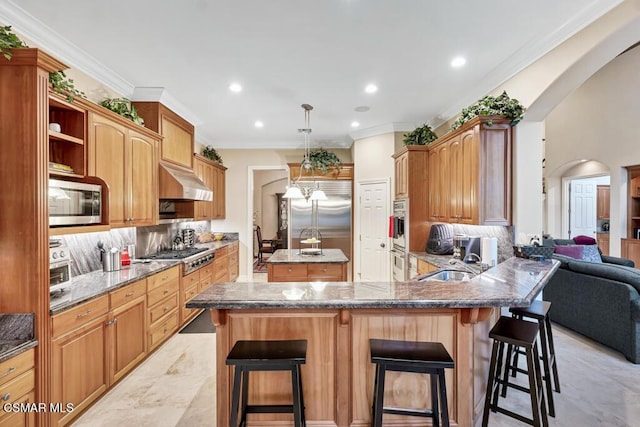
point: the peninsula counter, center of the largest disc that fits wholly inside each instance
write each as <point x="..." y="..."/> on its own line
<point x="338" y="319"/>
<point x="289" y="265"/>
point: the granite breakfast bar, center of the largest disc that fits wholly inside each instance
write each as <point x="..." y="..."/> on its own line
<point x="338" y="319"/>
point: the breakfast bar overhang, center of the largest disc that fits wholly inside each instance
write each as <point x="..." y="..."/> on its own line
<point x="338" y="319"/>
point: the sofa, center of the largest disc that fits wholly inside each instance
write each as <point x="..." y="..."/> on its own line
<point x="600" y="300"/>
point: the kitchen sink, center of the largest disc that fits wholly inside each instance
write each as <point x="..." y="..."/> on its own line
<point x="446" y="276"/>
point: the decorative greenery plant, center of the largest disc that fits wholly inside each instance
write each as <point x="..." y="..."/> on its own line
<point x="324" y="160"/>
<point x="501" y="105"/>
<point x="123" y="107"/>
<point x="63" y="85"/>
<point x="422" y="135"/>
<point x="210" y="153"/>
<point x="9" y="41"/>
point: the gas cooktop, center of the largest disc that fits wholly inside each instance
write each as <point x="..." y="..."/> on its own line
<point x="171" y="255"/>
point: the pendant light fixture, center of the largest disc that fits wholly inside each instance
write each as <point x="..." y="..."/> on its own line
<point x="296" y="190"/>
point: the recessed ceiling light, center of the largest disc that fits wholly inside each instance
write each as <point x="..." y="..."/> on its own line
<point x="458" y="62"/>
<point x="235" y="87"/>
<point x="371" y="88"/>
<point x="362" y="109"/>
<point x="258" y="124"/>
<point x="355" y="124"/>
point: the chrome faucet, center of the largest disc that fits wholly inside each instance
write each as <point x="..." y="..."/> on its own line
<point x="456" y="261"/>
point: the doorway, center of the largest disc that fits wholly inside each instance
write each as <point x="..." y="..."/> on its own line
<point x="265" y="211"/>
<point x="373" y="256"/>
<point x="581" y="212"/>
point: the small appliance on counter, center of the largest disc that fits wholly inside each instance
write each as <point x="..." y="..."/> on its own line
<point x="464" y="245"/>
<point x="440" y="241"/>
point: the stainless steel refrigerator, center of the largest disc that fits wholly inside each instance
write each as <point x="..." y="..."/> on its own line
<point x="334" y="218"/>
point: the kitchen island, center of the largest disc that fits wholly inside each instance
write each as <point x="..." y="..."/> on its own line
<point x="338" y="319"/>
<point x="292" y="265"/>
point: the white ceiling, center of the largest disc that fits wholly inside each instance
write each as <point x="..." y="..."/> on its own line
<point x="289" y="52"/>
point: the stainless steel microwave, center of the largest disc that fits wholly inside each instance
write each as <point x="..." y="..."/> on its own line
<point x="74" y="203"/>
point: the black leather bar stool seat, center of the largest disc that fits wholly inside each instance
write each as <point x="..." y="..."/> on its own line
<point x="539" y="310"/>
<point x="248" y="356"/>
<point x="520" y="334"/>
<point x="416" y="357"/>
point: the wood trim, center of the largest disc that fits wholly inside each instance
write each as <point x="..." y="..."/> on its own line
<point x="219" y="317"/>
<point x="470" y="316"/>
<point x="346" y="172"/>
<point x="35" y="57"/>
<point x="211" y="162"/>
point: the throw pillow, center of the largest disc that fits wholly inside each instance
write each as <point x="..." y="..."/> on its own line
<point x="573" y="251"/>
<point x="590" y="253"/>
<point x="584" y="240"/>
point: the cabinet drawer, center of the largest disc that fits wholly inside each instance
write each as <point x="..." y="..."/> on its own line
<point x="163" y="307"/>
<point x="190" y="293"/>
<point x="162" y="278"/>
<point x="324" y="270"/>
<point x="128" y="293"/>
<point x="205" y="282"/>
<point x="289" y="272"/>
<point x="222" y="252"/>
<point x="163" y="330"/>
<point x="17" y="388"/>
<point x="77" y="316"/>
<point x="9" y="369"/>
<point x="233" y="248"/>
<point x="191" y="279"/>
<point x="162" y="292"/>
<point x="206" y="271"/>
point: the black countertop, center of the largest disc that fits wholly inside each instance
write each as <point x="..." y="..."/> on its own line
<point x="16" y="334"/>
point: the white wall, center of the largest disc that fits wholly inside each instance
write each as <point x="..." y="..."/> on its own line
<point x="598" y="122"/>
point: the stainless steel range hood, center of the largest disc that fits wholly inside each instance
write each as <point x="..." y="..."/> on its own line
<point x="182" y="184"/>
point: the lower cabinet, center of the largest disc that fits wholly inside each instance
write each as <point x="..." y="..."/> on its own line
<point x="603" y="242"/>
<point x="189" y="289"/>
<point x="162" y="306"/>
<point x="426" y="267"/>
<point x="17" y="383"/>
<point x="221" y="265"/>
<point x="631" y="250"/>
<point x="310" y="272"/>
<point x="234" y="264"/>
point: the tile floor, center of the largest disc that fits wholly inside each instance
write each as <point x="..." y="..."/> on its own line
<point x="176" y="387"/>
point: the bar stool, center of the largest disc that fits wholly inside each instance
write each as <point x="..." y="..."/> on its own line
<point x="416" y="357"/>
<point x="518" y="333"/>
<point x="248" y="356"/>
<point x="539" y="310"/>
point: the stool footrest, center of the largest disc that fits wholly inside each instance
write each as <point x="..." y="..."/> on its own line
<point x="513" y="415"/>
<point x="512" y="385"/>
<point x="269" y="409"/>
<point x="408" y="411"/>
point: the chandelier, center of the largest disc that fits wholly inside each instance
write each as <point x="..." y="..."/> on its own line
<point x="296" y="190"/>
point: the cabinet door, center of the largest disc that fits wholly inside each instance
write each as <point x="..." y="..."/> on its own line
<point x="603" y="202"/>
<point x="401" y="176"/>
<point x="142" y="173"/>
<point x="439" y="183"/>
<point x="453" y="174"/>
<point x="467" y="179"/>
<point x="177" y="144"/>
<point x="22" y="418"/>
<point x="205" y="171"/>
<point x="107" y="146"/>
<point x="79" y="368"/>
<point x="128" y="334"/>
<point x="219" y="193"/>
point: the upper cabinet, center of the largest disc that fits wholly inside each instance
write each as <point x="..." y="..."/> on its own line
<point x="470" y="174"/>
<point x="177" y="145"/>
<point x="213" y="175"/>
<point x="125" y="157"/>
<point x="603" y="201"/>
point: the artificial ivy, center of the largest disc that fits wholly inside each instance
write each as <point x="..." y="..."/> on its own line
<point x="210" y="153"/>
<point x="422" y="135"/>
<point x="501" y="105"/>
<point x="123" y="107"/>
<point x="324" y="160"/>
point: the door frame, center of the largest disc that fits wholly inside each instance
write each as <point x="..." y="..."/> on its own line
<point x="356" y="223"/>
<point x="250" y="179"/>
<point x="566" y="202"/>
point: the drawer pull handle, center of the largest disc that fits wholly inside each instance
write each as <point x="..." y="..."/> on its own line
<point x="289" y="270"/>
<point x="130" y="294"/>
<point x="166" y="309"/>
<point x="324" y="270"/>
<point x="6" y="397"/>
<point x="111" y="322"/>
<point x="166" y="329"/>
<point x="166" y="291"/>
<point x="10" y="370"/>
<point x="80" y="316"/>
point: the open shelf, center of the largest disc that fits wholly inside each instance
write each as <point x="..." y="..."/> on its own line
<point x="67" y="146"/>
<point x="64" y="137"/>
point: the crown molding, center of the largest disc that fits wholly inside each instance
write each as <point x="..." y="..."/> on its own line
<point x="160" y="94"/>
<point x="47" y="39"/>
<point x="382" y="129"/>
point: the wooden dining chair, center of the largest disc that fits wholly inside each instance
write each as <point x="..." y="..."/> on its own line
<point x="264" y="246"/>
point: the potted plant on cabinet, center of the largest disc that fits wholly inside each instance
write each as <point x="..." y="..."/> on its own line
<point x="210" y="153"/>
<point x="123" y="107"/>
<point x="422" y="135"/>
<point x="9" y="41"/>
<point x="501" y="105"/>
<point x="324" y="160"/>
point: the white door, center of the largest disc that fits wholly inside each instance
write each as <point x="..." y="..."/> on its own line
<point x="583" y="206"/>
<point x="373" y="223"/>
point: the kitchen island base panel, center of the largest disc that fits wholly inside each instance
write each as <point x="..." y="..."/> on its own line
<point x="338" y="377"/>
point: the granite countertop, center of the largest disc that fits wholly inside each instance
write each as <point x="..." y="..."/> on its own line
<point x="16" y="334"/>
<point x="513" y="283"/>
<point x="285" y="256"/>
<point x="91" y="285"/>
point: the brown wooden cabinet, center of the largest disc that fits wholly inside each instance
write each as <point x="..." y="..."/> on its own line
<point x="126" y="160"/>
<point x="411" y="183"/>
<point x="470" y="174"/>
<point x="603" y="242"/>
<point x="17" y="383"/>
<point x="307" y="272"/>
<point x="426" y="267"/>
<point x="631" y="244"/>
<point x="162" y="306"/>
<point x="213" y="175"/>
<point x="79" y="357"/>
<point x="221" y="265"/>
<point x="234" y="264"/>
<point x="603" y="202"/>
<point x="189" y="286"/>
<point x="177" y="145"/>
<point x="127" y="334"/>
<point x="66" y="144"/>
<point x="219" y="210"/>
